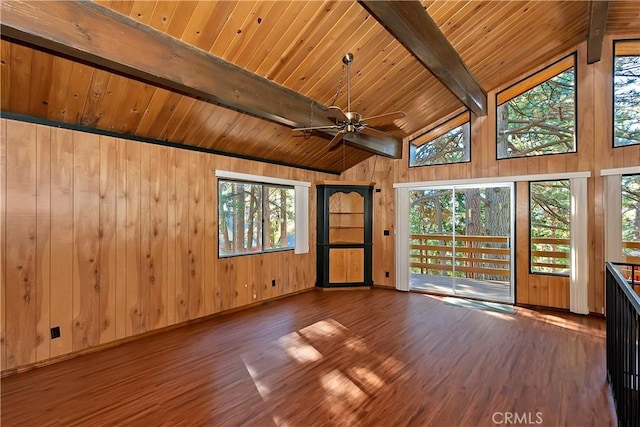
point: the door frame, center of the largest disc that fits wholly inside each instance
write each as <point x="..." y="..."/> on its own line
<point x="512" y="225"/>
<point x="579" y="263"/>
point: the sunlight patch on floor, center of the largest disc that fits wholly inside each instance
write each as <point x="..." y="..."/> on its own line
<point x="561" y="322"/>
<point x="391" y="365"/>
<point x="368" y="379"/>
<point x="298" y="348"/>
<point x="342" y="389"/>
<point x="342" y="396"/>
<point x="356" y="344"/>
<point x="280" y="422"/>
<point x="262" y="388"/>
<point x="328" y="328"/>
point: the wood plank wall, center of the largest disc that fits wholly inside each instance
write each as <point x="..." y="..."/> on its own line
<point x="595" y="152"/>
<point x="109" y="238"/>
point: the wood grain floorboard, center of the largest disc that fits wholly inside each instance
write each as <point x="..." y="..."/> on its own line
<point x="332" y="358"/>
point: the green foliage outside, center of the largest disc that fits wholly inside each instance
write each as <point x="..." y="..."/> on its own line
<point x="241" y="209"/>
<point x="626" y="95"/>
<point x="540" y="120"/>
<point x="452" y="147"/>
<point x="550" y="218"/>
<point x="438" y="218"/>
<point x="631" y="213"/>
<point x="280" y="216"/>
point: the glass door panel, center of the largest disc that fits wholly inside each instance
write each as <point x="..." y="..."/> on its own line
<point x="483" y="242"/>
<point x="460" y="242"/>
<point x="431" y="240"/>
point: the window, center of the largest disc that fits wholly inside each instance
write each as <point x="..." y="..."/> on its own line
<point x="279" y="204"/>
<point x="550" y="226"/>
<point x="254" y="217"/>
<point x="446" y="143"/>
<point x="537" y="115"/>
<point x="630" y="186"/>
<point x="626" y="93"/>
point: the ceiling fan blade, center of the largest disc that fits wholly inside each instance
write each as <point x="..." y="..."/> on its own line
<point x="342" y="117"/>
<point x="384" y="118"/>
<point x="335" y="142"/>
<point x="318" y="128"/>
<point x="372" y="132"/>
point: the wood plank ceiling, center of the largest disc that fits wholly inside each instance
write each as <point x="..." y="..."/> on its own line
<point x="298" y="45"/>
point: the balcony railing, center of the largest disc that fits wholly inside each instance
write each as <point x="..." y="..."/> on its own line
<point x="476" y="257"/>
<point x="623" y="334"/>
<point x="482" y="257"/>
<point x="631" y="252"/>
<point x="550" y="255"/>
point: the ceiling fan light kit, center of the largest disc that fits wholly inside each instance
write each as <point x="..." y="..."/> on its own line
<point x="351" y="121"/>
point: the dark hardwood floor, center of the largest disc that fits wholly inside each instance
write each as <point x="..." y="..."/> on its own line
<point x="333" y="358"/>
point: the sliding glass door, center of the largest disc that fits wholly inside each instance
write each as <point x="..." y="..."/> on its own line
<point x="460" y="241"/>
<point x="431" y="238"/>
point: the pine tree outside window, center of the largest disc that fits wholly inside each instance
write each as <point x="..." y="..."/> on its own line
<point x="550" y="226"/>
<point x="537" y="116"/>
<point x="630" y="186"/>
<point x="254" y="218"/>
<point x="626" y="93"/>
<point x="448" y="142"/>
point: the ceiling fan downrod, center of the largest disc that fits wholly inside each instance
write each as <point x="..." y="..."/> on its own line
<point x="347" y="60"/>
<point x="349" y="122"/>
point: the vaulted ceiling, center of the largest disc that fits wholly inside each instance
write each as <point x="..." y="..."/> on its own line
<point x="298" y="45"/>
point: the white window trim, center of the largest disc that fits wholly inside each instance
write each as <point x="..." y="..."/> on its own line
<point x="260" y="178"/>
<point x="495" y="180"/>
<point x="301" y="201"/>
<point x="632" y="170"/>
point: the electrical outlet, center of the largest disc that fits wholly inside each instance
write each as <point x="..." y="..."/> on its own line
<point x="273" y="282"/>
<point x="386" y="274"/>
<point x="378" y="190"/>
<point x="55" y="332"/>
<point x="386" y="232"/>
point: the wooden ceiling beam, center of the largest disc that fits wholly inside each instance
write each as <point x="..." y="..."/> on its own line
<point x="598" y="11"/>
<point x="93" y="34"/>
<point x="412" y="26"/>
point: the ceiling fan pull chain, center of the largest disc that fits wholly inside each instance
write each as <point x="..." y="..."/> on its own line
<point x="339" y="88"/>
<point x="307" y="133"/>
<point x="344" y="155"/>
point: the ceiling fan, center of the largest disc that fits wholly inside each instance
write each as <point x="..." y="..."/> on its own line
<point x="352" y="122"/>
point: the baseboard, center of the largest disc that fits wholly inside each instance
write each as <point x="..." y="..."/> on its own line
<point x="386" y="287"/>
<point x="121" y="341"/>
<point x="348" y="288"/>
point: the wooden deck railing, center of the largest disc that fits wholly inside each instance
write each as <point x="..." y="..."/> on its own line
<point x="482" y="257"/>
<point x="478" y="257"/>
<point x="550" y="255"/>
<point x="631" y="274"/>
<point x="631" y="247"/>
